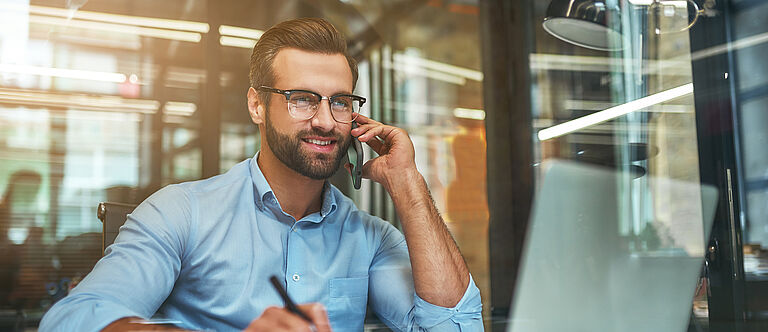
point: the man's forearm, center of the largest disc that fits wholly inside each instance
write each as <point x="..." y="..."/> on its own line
<point x="439" y="273"/>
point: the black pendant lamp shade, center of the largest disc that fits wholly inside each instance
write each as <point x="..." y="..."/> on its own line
<point x="584" y="23"/>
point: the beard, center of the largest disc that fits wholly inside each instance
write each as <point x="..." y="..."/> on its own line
<point x="314" y="165"/>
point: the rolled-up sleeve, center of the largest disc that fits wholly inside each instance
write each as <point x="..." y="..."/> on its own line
<point x="465" y="316"/>
<point x="136" y="274"/>
<point x="393" y="298"/>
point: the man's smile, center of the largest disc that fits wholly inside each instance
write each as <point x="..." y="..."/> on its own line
<point x="320" y="144"/>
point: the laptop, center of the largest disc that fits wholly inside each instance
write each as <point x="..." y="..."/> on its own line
<point x="582" y="271"/>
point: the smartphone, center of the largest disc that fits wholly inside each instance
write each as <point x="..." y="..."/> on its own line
<point x="355" y="155"/>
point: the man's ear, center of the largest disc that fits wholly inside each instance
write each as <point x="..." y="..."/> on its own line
<point x="256" y="107"/>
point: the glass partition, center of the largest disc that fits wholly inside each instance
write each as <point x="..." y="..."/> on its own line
<point x="616" y="97"/>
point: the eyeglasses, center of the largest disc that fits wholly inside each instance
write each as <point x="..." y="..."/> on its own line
<point x="303" y="104"/>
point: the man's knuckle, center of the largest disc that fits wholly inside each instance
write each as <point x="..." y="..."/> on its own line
<point x="317" y="306"/>
<point x="271" y="310"/>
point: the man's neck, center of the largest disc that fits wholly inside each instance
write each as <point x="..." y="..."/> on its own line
<point x="298" y="195"/>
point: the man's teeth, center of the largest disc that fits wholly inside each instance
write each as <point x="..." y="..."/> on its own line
<point x="318" y="142"/>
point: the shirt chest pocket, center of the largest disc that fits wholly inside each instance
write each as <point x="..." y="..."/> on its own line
<point x="347" y="303"/>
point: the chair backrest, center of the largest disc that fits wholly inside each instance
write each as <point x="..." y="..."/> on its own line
<point x="112" y="216"/>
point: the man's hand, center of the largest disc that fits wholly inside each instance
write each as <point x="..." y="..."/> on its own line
<point x="280" y="319"/>
<point x="392" y="144"/>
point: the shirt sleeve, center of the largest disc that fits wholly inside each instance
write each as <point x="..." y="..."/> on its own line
<point x="393" y="298"/>
<point x="138" y="271"/>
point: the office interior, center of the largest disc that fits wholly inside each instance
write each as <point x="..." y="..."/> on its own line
<point x="110" y="100"/>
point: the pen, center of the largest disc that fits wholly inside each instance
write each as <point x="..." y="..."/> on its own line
<point x="288" y="302"/>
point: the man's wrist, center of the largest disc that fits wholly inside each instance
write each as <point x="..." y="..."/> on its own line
<point x="403" y="180"/>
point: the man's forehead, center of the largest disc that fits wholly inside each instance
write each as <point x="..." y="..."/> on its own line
<point x="300" y="68"/>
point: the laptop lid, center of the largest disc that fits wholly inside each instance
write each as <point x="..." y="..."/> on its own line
<point x="582" y="270"/>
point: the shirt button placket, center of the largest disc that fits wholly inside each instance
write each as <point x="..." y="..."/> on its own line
<point x="295" y="277"/>
<point x="294" y="261"/>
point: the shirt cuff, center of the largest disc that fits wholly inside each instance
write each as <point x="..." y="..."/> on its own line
<point x="89" y="316"/>
<point x="467" y="314"/>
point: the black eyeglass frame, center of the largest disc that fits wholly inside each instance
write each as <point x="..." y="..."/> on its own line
<point x="287" y="95"/>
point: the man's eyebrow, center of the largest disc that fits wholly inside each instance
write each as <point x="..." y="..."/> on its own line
<point x="342" y="92"/>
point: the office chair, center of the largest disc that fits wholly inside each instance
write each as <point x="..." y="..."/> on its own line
<point x="112" y="216"/>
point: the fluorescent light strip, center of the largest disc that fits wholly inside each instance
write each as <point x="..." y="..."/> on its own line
<point x="542" y="61"/>
<point x="237" y="42"/>
<point x="81" y="102"/>
<point x="468" y="113"/>
<point x="228" y="30"/>
<point x="179" y="108"/>
<point x="680" y="65"/>
<point x="122" y="19"/>
<point x="678" y="3"/>
<point x="118" y="28"/>
<point x="738" y="44"/>
<point x="131" y="43"/>
<point x="94" y="103"/>
<point x="614" y="112"/>
<point x="438" y="66"/>
<point x="63" y="73"/>
<point x="591" y="105"/>
<point x="415" y="70"/>
<point x="170" y="118"/>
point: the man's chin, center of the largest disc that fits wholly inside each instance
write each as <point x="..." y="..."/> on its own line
<point x="319" y="174"/>
<point x="321" y="166"/>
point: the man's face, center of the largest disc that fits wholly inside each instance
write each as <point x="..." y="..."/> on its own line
<point x="313" y="148"/>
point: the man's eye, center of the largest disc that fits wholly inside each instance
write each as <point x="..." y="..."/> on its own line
<point x="341" y="103"/>
<point x="302" y="101"/>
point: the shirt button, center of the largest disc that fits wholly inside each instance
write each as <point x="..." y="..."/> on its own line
<point x="296" y="277"/>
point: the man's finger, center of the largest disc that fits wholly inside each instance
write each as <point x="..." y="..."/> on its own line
<point x="366" y="126"/>
<point x="376" y="145"/>
<point x="289" y="321"/>
<point x="376" y="130"/>
<point x="362" y="119"/>
<point x="361" y="130"/>
<point x="278" y="319"/>
<point x="316" y="312"/>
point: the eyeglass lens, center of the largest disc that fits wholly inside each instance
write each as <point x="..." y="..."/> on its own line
<point x="305" y="105"/>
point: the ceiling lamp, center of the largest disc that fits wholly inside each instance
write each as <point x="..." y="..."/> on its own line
<point x="584" y="23"/>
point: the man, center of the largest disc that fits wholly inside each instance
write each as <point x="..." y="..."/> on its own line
<point x="201" y="252"/>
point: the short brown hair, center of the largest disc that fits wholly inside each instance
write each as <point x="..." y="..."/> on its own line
<point x="309" y="34"/>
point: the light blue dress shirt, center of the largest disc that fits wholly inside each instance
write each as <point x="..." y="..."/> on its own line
<point x="202" y="252"/>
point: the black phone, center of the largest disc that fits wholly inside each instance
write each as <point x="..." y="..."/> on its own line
<point x="355" y="155"/>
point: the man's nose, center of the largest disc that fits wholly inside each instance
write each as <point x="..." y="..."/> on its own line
<point x="323" y="119"/>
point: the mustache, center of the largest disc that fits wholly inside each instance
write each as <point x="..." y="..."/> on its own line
<point x="317" y="132"/>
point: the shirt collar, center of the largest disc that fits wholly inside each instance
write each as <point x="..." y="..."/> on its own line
<point x="329" y="200"/>
<point x="262" y="190"/>
<point x="260" y="185"/>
